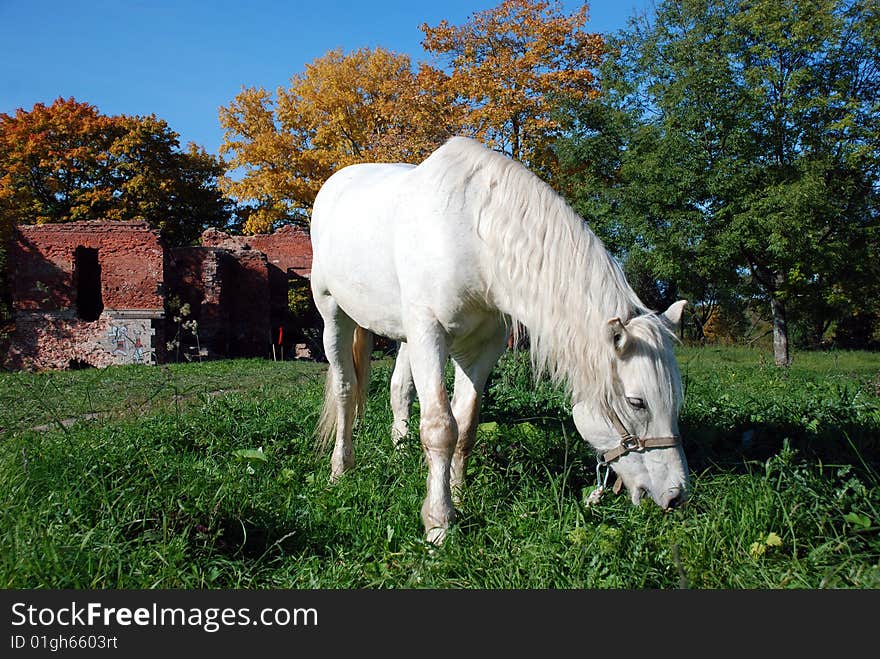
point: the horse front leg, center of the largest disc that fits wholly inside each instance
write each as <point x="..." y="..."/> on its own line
<point x="402" y="394"/>
<point x="466" y="409"/>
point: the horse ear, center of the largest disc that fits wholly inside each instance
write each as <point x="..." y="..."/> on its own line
<point x="674" y="312"/>
<point x="619" y="336"/>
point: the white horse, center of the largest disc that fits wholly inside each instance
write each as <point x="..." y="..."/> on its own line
<point x="444" y="257"/>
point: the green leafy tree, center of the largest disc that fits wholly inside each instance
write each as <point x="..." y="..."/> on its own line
<point x="624" y="178"/>
<point x="748" y="150"/>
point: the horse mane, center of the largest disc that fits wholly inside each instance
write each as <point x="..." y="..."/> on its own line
<point x="549" y="271"/>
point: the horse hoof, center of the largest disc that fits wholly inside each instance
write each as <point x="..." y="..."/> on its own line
<point x="436" y="536"/>
<point x="398" y="439"/>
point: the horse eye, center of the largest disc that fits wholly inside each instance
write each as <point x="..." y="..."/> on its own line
<point x="637" y="403"/>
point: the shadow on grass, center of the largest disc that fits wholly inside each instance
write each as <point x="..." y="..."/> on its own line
<point x="261" y="539"/>
<point x="715" y="448"/>
<point x="709" y="447"/>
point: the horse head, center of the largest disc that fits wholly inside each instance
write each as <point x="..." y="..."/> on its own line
<point x="635" y="428"/>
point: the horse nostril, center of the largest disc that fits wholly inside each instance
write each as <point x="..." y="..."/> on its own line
<point x="675" y="500"/>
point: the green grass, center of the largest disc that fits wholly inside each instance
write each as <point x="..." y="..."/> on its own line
<point x="29" y="400"/>
<point x="153" y="485"/>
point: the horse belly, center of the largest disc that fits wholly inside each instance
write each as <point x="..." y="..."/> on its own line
<point x="372" y="302"/>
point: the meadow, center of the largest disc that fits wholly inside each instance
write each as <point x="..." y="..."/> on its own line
<point x="204" y="475"/>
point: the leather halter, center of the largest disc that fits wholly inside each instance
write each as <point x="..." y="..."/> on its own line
<point x="631" y="443"/>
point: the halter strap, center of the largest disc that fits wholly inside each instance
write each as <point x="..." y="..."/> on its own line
<point x="630" y="442"/>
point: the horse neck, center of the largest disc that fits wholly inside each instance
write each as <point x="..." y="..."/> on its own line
<point x="551" y="273"/>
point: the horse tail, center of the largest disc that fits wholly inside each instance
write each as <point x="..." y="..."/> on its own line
<point x="326" y="427"/>
<point x="361" y="349"/>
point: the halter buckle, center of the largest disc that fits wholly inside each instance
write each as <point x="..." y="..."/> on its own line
<point x="632" y="443"/>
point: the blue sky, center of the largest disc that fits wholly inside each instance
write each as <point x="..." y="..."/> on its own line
<point x="183" y="60"/>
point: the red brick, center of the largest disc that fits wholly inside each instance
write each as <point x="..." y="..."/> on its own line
<point x="48" y="333"/>
<point x="235" y="286"/>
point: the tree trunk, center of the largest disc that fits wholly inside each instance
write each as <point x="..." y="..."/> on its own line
<point x="781" y="354"/>
<point x="514" y="141"/>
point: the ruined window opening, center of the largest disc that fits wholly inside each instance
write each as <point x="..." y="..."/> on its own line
<point x="78" y="365"/>
<point x="87" y="274"/>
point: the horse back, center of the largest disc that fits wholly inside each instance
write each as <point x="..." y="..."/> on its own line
<point x="388" y="238"/>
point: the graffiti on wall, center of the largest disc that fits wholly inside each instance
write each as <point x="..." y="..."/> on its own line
<point x="130" y="341"/>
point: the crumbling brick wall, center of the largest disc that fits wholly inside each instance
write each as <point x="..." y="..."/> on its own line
<point x="245" y="296"/>
<point x="97" y="293"/>
<point x="51" y="329"/>
<point x="193" y="283"/>
<point x="227" y="293"/>
<point x="289" y="257"/>
<point x="289" y="249"/>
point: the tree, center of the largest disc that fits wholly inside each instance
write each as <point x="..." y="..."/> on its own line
<point x="66" y="161"/>
<point x="366" y="106"/>
<point x="175" y="190"/>
<point x="54" y="163"/>
<point x="507" y="66"/>
<point x="753" y="147"/>
<point x="628" y="183"/>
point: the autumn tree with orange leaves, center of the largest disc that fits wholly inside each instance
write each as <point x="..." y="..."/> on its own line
<point x="365" y="106"/>
<point x="67" y="161"/>
<point x="510" y="64"/>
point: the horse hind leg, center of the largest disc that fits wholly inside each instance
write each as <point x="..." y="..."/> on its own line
<point x="471" y="374"/>
<point x="402" y="395"/>
<point x="342" y="389"/>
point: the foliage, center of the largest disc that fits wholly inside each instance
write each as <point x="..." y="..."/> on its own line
<point x="736" y="148"/>
<point x="364" y="106"/>
<point x="188" y="481"/>
<point x="512" y="392"/>
<point x="373" y="105"/>
<point x="509" y="63"/>
<point x="66" y="162"/>
<point x="299" y="296"/>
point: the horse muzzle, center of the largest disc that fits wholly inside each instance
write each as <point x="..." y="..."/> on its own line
<point x="672" y="498"/>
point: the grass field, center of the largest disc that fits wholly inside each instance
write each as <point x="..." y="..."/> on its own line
<point x="153" y="477"/>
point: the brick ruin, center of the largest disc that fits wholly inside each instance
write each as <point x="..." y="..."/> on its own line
<point x="102" y="293"/>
